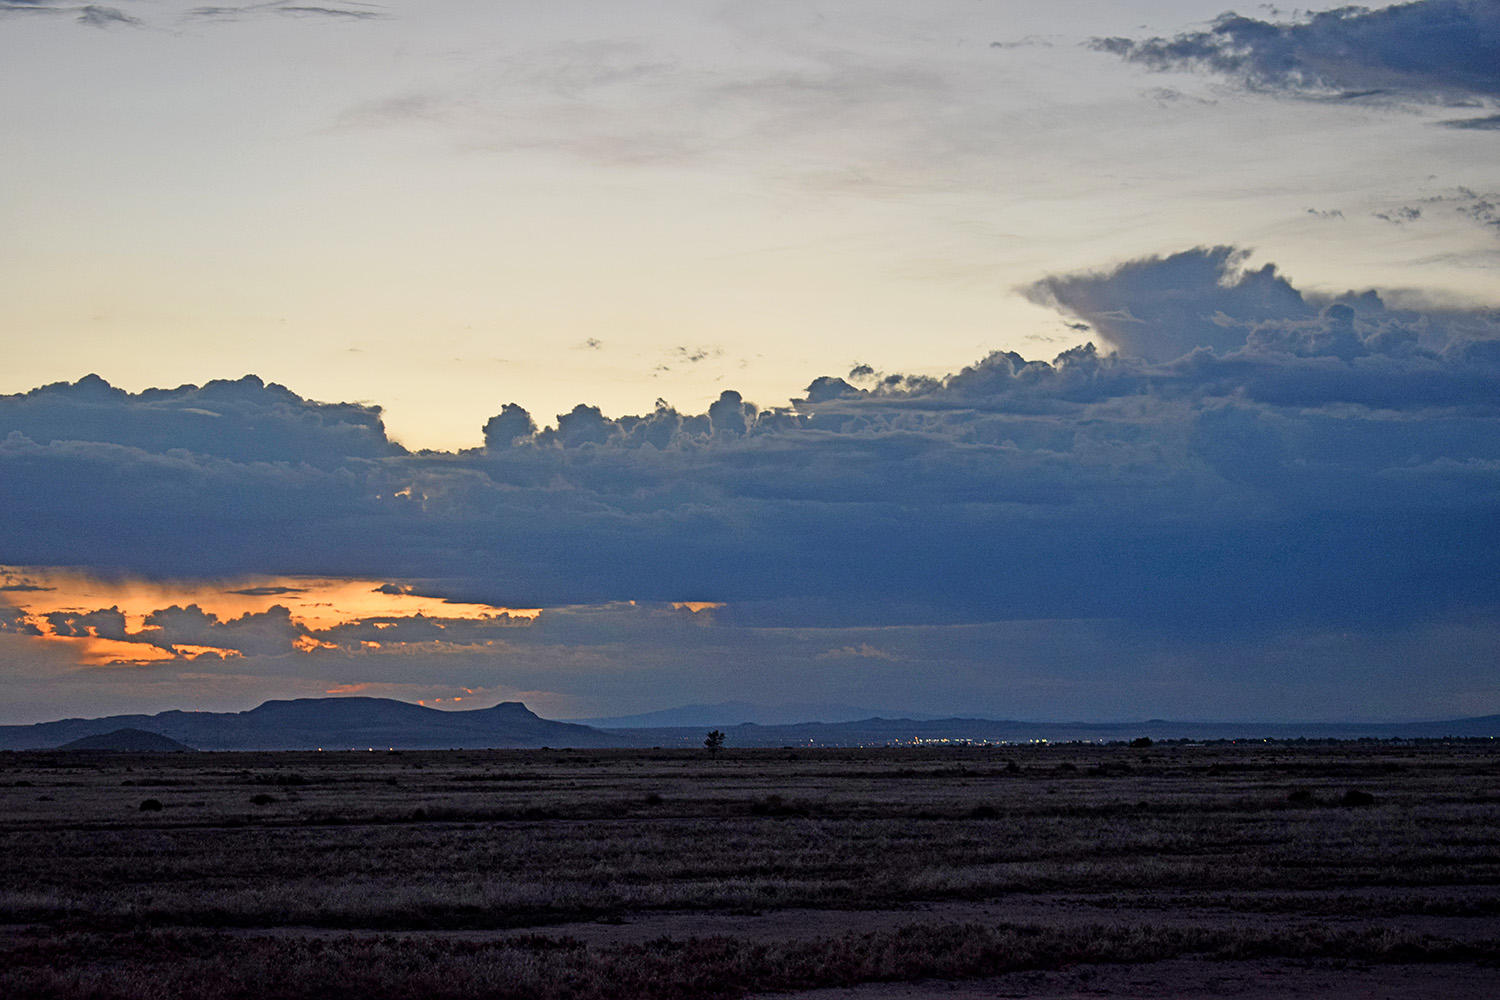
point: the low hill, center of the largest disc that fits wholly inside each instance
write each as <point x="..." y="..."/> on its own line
<point x="360" y="723"/>
<point x="331" y="723"/>
<point x="128" y="741"/>
<point x="734" y="713"/>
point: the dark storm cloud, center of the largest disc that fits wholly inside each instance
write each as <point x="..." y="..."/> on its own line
<point x="243" y="421"/>
<point x="1252" y="455"/>
<point x="1432" y="49"/>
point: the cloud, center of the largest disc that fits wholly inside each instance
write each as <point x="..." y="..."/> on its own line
<point x="1438" y="50"/>
<point x="1160" y="308"/>
<point x="1252" y="456"/>
<point x="90" y="14"/>
<point x="336" y="12"/>
<point x="106" y="623"/>
<point x="267" y="633"/>
<point x="693" y="355"/>
<point x="864" y="651"/>
<point x="244" y="421"/>
<point x="1400" y="216"/>
<point x="17" y="622"/>
<point x="1485" y="123"/>
<point x="285" y="8"/>
<point x="103" y="17"/>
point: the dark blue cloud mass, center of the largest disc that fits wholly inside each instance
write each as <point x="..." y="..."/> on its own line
<point x="1251" y="455"/>
<point x="1431" y="49"/>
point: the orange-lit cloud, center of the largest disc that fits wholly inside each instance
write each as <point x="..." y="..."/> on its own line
<point x="316" y="602"/>
<point x="132" y="621"/>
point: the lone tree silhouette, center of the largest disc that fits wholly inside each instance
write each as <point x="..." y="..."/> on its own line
<point x="714" y="741"/>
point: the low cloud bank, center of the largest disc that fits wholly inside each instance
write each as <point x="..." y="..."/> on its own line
<point x="1251" y="455"/>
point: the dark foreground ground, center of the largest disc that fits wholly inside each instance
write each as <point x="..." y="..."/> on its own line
<point x="1245" y="871"/>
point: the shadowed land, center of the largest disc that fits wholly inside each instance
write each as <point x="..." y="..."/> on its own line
<point x="671" y="873"/>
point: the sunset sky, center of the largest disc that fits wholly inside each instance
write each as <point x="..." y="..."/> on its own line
<point x="1032" y="359"/>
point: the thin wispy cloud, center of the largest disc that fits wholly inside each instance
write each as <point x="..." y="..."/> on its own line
<point x="93" y="15"/>
<point x="286" y="8"/>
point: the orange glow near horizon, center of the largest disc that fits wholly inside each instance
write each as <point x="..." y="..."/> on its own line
<point x="317" y="604"/>
<point x="95" y="652"/>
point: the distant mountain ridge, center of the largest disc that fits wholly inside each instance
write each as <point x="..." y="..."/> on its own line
<point x="734" y="713"/>
<point x="360" y="723"/>
<point x="331" y="723"/>
<point x="877" y="732"/>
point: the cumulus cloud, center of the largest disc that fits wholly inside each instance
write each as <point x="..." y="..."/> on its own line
<point x="267" y="633"/>
<point x="1250" y="454"/>
<point x="244" y="421"/>
<point x="17" y="622"/>
<point x="1160" y="308"/>
<point x="1431" y="50"/>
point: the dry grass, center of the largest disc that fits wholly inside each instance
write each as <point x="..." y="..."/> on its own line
<point x="124" y="902"/>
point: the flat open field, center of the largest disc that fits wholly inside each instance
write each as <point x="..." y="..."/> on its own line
<point x="1243" y="870"/>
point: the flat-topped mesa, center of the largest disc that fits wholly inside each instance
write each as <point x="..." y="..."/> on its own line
<point x="323" y="711"/>
<point x="511" y="710"/>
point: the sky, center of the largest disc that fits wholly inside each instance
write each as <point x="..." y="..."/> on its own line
<point x="1038" y="360"/>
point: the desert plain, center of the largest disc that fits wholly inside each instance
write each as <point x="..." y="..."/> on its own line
<point x="1238" y="869"/>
